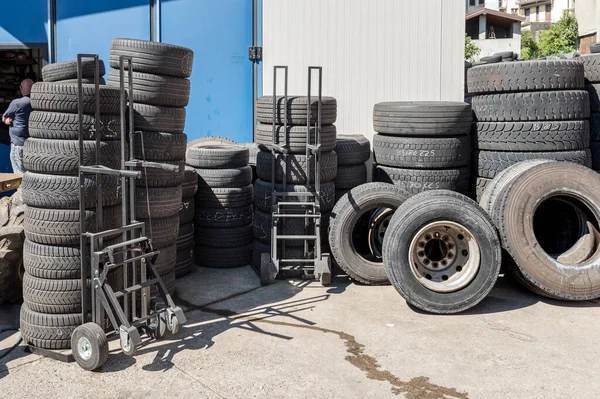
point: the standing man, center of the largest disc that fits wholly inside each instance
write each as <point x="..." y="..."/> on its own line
<point x="17" y="118"/>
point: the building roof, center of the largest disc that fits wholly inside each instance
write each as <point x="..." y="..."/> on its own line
<point x="497" y="14"/>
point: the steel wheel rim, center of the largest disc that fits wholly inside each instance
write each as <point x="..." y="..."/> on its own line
<point x="378" y="225"/>
<point x="444" y="256"/>
<point x="84" y="348"/>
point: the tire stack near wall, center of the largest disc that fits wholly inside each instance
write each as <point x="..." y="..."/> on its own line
<point x="185" y="238"/>
<point x="352" y="150"/>
<point x="591" y="66"/>
<point x="223" y="208"/>
<point x="528" y="110"/>
<point x="297" y="165"/>
<point x="161" y="90"/>
<point x="51" y="255"/>
<point x="423" y="145"/>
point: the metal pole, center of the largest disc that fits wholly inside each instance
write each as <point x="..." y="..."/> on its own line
<point x="158" y="22"/>
<point x="254" y="66"/>
<point x="85" y="298"/>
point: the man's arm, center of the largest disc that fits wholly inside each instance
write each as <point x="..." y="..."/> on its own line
<point x="9" y="114"/>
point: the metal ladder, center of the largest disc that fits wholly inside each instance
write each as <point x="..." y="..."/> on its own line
<point x="153" y="316"/>
<point x="289" y="205"/>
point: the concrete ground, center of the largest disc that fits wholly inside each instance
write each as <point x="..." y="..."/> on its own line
<point x="300" y="340"/>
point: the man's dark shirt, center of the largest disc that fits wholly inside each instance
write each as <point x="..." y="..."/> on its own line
<point x="19" y="111"/>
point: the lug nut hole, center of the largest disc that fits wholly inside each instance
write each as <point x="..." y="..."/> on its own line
<point x="458" y="268"/>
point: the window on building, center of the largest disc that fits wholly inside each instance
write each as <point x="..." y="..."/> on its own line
<point x="471" y="2"/>
<point x="481" y="1"/>
<point x="537" y="13"/>
<point x="527" y="15"/>
<point x="548" y="13"/>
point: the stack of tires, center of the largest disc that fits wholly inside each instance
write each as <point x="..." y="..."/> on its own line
<point x="223" y="214"/>
<point x="352" y="150"/>
<point x="161" y="90"/>
<point x="51" y="254"/>
<point x="297" y="168"/>
<point x="591" y="67"/>
<point x="528" y="110"/>
<point x="185" y="239"/>
<point x="66" y="72"/>
<point x="423" y="145"/>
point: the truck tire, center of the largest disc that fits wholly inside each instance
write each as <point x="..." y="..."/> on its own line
<point x="352" y="149"/>
<point x="68" y="70"/>
<point x="422" y="153"/>
<point x="298" y="167"/>
<point x="441" y="252"/>
<point x="417" y="180"/>
<point x="153" y="89"/>
<point x="63" y="126"/>
<point x="296" y="136"/>
<point x="263" y="193"/>
<point x="345" y="216"/>
<point x="62" y="97"/>
<point x="296" y="110"/>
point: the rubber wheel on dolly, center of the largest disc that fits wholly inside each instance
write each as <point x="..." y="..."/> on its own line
<point x="90" y="346"/>
<point x="267" y="277"/>
<point x="323" y="270"/>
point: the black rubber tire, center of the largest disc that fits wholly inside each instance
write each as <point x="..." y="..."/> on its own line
<point x="159" y="146"/>
<point x="165" y="263"/>
<point x="422" y="153"/>
<point x="52" y="261"/>
<point x="224" y="178"/>
<point x="591" y="67"/>
<point x="218" y="156"/>
<point x="489" y="163"/>
<point x="185" y="238"/>
<point x="262" y="225"/>
<point x="480" y="185"/>
<point x="352" y="149"/>
<point x="156" y="177"/>
<point x="263" y="192"/>
<point x="154" y="118"/>
<point x="101" y="81"/>
<point x="296" y="137"/>
<point x="62" y="97"/>
<point x="422" y="118"/>
<point x="162" y="231"/>
<point x="532" y="136"/>
<point x="526" y="76"/>
<point x="188" y="210"/>
<point x="68" y="70"/>
<point x="224" y="197"/>
<point x="296" y="110"/>
<point x="492" y="59"/>
<point x="48" y="331"/>
<point x="593" y="90"/>
<point x="524" y="191"/>
<point x="218" y="259"/>
<point x="595" y="126"/>
<point x="224" y="238"/>
<point x="164" y="202"/>
<point x="421" y="210"/>
<point x="95" y="335"/>
<point x="153" y="89"/>
<point x="184" y="263"/>
<point x="532" y="106"/>
<point x="506" y="54"/>
<point x="595" y="149"/>
<point x="153" y="57"/>
<point x="189" y="186"/>
<point x="62" y="227"/>
<point x="344" y="218"/>
<point x="223" y="217"/>
<point x="417" y="180"/>
<point x="52" y="296"/>
<point x="350" y="176"/>
<point x="253" y="149"/>
<point x="62" y="192"/>
<point x="61" y="157"/>
<point x="62" y="126"/>
<point x="298" y="169"/>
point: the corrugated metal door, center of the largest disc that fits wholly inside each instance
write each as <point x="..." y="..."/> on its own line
<point x="371" y="51"/>
<point x="220" y="33"/>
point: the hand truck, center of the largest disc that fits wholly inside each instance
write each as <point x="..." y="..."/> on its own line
<point x="303" y="205"/>
<point x="133" y="256"/>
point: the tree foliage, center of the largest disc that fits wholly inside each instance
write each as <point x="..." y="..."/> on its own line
<point x="471" y="49"/>
<point x="529" y="48"/>
<point x="561" y="37"/>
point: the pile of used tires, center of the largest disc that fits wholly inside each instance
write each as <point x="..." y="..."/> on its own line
<point x="528" y="110"/>
<point x="353" y="151"/>
<point x="11" y="246"/>
<point x="161" y="90"/>
<point x="185" y="239"/>
<point x="296" y="170"/>
<point x="51" y="254"/>
<point x="423" y="145"/>
<point x="591" y="67"/>
<point x="223" y="205"/>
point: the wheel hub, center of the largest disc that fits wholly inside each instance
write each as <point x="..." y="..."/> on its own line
<point x="444" y="256"/>
<point x="380" y="220"/>
<point x="84" y="347"/>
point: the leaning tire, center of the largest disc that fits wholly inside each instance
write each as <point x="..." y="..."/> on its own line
<point x="464" y="267"/>
<point x="62" y="97"/>
<point x="344" y="218"/>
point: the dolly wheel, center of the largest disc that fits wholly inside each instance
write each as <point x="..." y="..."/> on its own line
<point x="325" y="272"/>
<point x="173" y="324"/>
<point x="90" y="346"/>
<point x="266" y="277"/>
<point x="128" y="347"/>
<point x="158" y="324"/>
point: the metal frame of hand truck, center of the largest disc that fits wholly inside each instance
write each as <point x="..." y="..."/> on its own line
<point x="304" y="205"/>
<point x="135" y="250"/>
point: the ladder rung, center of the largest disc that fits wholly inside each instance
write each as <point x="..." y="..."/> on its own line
<point x="126" y="243"/>
<point x="137" y="287"/>
<point x="295" y="237"/>
<point x="296" y="204"/>
<point x="294" y="194"/>
<point x="134" y="259"/>
<point x="297" y="260"/>
<point x="285" y="215"/>
<point x="103" y="170"/>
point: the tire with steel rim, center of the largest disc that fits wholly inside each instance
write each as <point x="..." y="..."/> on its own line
<point x="90" y="346"/>
<point x="441" y="252"/>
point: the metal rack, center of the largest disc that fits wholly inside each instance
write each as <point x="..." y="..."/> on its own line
<point x="288" y="205"/>
<point x="153" y="316"/>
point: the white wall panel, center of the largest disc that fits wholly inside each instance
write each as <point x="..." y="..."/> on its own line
<point x="370" y="51"/>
